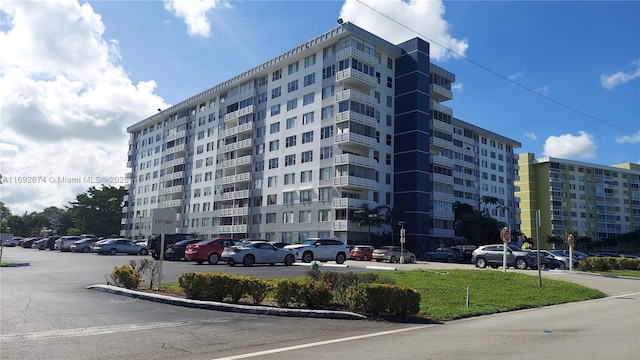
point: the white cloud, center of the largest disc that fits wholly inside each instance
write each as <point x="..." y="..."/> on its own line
<point x="65" y="102"/>
<point x="569" y="146"/>
<point x="631" y="139"/>
<point x="620" y="77"/>
<point x="457" y="87"/>
<point x="544" y="90"/>
<point x="194" y="13"/>
<point x="420" y="19"/>
<point x="516" y="76"/>
<point x="531" y="135"/>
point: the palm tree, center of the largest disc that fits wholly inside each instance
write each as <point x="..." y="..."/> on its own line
<point x="366" y="216"/>
<point x="487" y="200"/>
<point x="460" y="210"/>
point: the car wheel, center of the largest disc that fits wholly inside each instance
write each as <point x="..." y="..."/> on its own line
<point x="427" y="258"/>
<point x="213" y="258"/>
<point x="86" y="249"/>
<point x="561" y="266"/>
<point x="412" y="259"/>
<point x="248" y="260"/>
<point x="113" y="251"/>
<point x="449" y="259"/>
<point x="231" y="262"/>
<point x="340" y="258"/>
<point x="481" y="263"/>
<point x="289" y="260"/>
<point x="392" y="259"/>
<point x="143" y="252"/>
<point x="521" y="264"/>
<point x="307" y="257"/>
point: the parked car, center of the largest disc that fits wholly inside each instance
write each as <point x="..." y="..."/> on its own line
<point x="607" y="254"/>
<point x="83" y="245"/>
<point x="114" y="246"/>
<point x="467" y="251"/>
<point x="578" y="255"/>
<point x="14" y="241"/>
<point x="209" y="250"/>
<point x="559" y="255"/>
<point x="361" y="252"/>
<point x="320" y="249"/>
<point x="51" y="242"/>
<point x="546" y="261"/>
<point x="26" y="243"/>
<point x="169" y="239"/>
<point x="176" y="251"/>
<point x="64" y="243"/>
<point x="492" y="255"/>
<point x="445" y="254"/>
<point x="279" y="244"/>
<point x="392" y="254"/>
<point x="40" y="244"/>
<point x="257" y="252"/>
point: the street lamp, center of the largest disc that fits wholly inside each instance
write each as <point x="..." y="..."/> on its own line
<point x="401" y="223"/>
<point x="139" y="227"/>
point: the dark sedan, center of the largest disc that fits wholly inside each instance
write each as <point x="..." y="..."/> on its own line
<point x="176" y="251"/>
<point x="445" y="254"/>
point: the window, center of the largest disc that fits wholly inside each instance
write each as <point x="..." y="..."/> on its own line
<point x="325" y="173"/>
<point x="388" y="159"/>
<point x="324" y="194"/>
<point x="276" y="92"/>
<point x="292" y="86"/>
<point x="290" y="160"/>
<point x="326" y="152"/>
<point x="276" y="75"/>
<point x="293" y="68"/>
<point x="289" y="178"/>
<point x="305" y="195"/>
<point x="262" y="81"/>
<point x="304" y="216"/>
<point x="275" y="110"/>
<point x="259" y="149"/>
<point x="290" y="141"/>
<point x="292" y="104"/>
<point x="324" y="215"/>
<point x="309" y="79"/>
<point x="327" y="112"/>
<point x="309" y="60"/>
<point x="307" y="118"/>
<point x="288" y="197"/>
<point x="389" y="82"/>
<point x="307" y="156"/>
<point x="274" y="128"/>
<point x="305" y="176"/>
<point x="287" y="217"/>
<point x="273" y="163"/>
<point x="389" y="139"/>
<point x="326" y="132"/>
<point x="290" y="123"/>
<point x="328" y="72"/>
<point x="272" y="181"/>
<point x="390" y="63"/>
<point x="274" y="145"/>
<point x="307" y="137"/>
<point x="308" y="98"/>
<point x="261" y="131"/>
<point x="271" y="218"/>
<point x="257" y="219"/>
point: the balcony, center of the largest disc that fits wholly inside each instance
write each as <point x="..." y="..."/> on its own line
<point x="354" y="181"/>
<point x="176" y="135"/>
<point x="344" y="203"/>
<point x="238" y="145"/>
<point x="356" y="117"/>
<point x="245" y="95"/>
<point x="355" y="78"/>
<point x="172" y="163"/>
<point x="238" y="129"/>
<point x="244" y="160"/>
<point x="129" y="164"/>
<point x="442" y="215"/>
<point x="240" y="211"/>
<point x="439" y="93"/>
<point x="127" y="186"/>
<point x="441" y="126"/>
<point x="445" y="179"/>
<point x="441" y="196"/>
<point x="175" y="149"/>
<point x="357" y="96"/>
<point x="231" y="179"/>
<point x="344" y="225"/>
<point x="172" y="176"/>
<point x="232" y="229"/>
<point x="355" y="139"/>
<point x="441" y="160"/>
<point x="170" y="204"/>
<point x="128" y="175"/>
<point x="436" y="141"/>
<point x="356" y="54"/>
<point x="351" y="159"/>
<point x="232" y="195"/>
<point x="441" y="108"/>
<point x="171" y="190"/>
<point x="238" y="113"/>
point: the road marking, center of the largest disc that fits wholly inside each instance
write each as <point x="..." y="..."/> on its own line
<point x="321" y="343"/>
<point x="98" y="330"/>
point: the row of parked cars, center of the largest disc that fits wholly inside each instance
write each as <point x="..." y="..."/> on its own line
<point x="85" y="243"/>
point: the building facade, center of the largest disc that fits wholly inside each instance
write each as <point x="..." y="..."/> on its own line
<point x="293" y="147"/>
<point x="596" y="201"/>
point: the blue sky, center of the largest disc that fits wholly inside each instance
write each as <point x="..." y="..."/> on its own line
<point x="74" y="75"/>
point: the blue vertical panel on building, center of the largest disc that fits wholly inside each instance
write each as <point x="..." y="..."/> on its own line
<point x="411" y="133"/>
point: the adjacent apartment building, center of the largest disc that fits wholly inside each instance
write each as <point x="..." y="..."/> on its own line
<point x="593" y="200"/>
<point x="293" y="147"/>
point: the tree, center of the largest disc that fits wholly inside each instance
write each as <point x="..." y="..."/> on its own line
<point x="487" y="200"/>
<point x="366" y="216"/>
<point x="5" y="213"/>
<point x="460" y="211"/>
<point x="555" y="241"/>
<point x="98" y="211"/>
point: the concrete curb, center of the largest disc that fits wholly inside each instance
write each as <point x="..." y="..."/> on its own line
<point x="220" y="306"/>
<point x="321" y="264"/>
<point x="16" y="264"/>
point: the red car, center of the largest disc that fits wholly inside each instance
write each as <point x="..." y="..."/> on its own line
<point x="361" y="252"/>
<point x="208" y="250"/>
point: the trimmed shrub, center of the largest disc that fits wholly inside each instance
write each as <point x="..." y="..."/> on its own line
<point x="257" y="289"/>
<point x="125" y="276"/>
<point x="314" y="293"/>
<point x="286" y="292"/>
<point x="383" y="298"/>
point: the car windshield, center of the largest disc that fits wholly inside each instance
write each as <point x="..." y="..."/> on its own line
<point x="310" y="241"/>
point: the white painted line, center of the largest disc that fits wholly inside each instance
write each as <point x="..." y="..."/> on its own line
<point x="320" y="343"/>
<point x="380" y="267"/>
<point x="98" y="330"/>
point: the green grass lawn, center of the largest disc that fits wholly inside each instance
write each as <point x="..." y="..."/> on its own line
<point x="629" y="273"/>
<point x="444" y="292"/>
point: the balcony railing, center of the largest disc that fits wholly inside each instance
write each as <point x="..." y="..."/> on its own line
<point x="354" y="181"/>
<point x="358" y="54"/>
<point x="343" y="203"/>
<point x="354" y="116"/>
<point x="343" y="138"/>
<point x="355" y="76"/>
<point x="356" y="95"/>
<point x="352" y="159"/>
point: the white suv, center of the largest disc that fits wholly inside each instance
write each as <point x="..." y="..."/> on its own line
<point x="321" y="249"/>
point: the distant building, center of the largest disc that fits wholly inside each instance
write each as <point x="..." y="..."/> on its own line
<point x="293" y="147"/>
<point x="593" y="200"/>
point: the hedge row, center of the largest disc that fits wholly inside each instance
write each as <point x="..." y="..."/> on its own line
<point x="608" y="263"/>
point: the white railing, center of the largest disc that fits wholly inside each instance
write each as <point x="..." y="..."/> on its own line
<point x="352" y="159"/>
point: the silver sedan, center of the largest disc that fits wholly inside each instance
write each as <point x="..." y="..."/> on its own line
<point x="257" y="252"/>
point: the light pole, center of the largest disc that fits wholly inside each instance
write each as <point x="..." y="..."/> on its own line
<point x="139" y="227"/>
<point x="570" y="241"/>
<point x="401" y="223"/>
